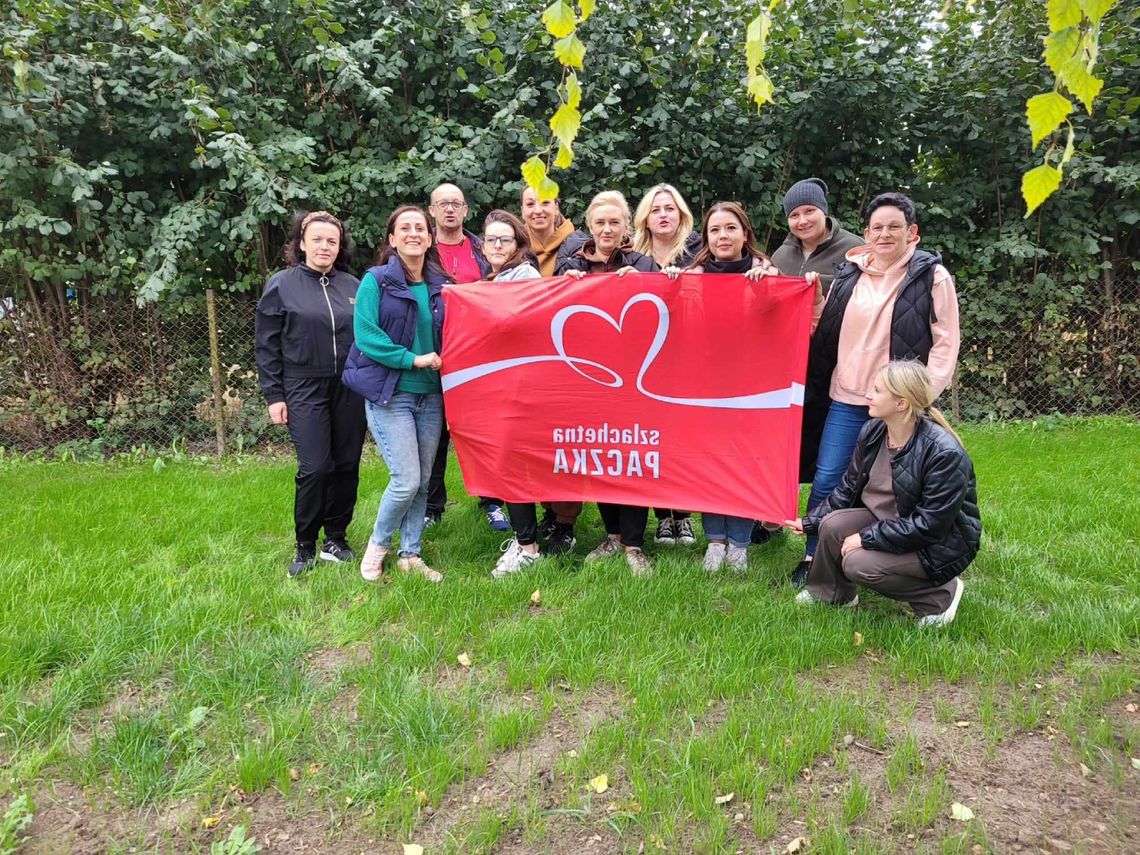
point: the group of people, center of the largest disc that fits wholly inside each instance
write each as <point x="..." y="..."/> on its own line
<point x="893" y="503"/>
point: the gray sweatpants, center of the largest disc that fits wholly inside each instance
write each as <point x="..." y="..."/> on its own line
<point x="833" y="579"/>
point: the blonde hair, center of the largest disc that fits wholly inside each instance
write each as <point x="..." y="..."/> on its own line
<point x="643" y="238"/>
<point x="909" y="381"/>
<point x="608" y="197"/>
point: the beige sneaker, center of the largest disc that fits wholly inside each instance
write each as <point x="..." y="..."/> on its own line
<point x="609" y="546"/>
<point x="372" y="564"/>
<point x="415" y="564"/>
<point x="638" y="563"/>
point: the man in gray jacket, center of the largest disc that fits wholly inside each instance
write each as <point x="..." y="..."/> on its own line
<point x="815" y="242"/>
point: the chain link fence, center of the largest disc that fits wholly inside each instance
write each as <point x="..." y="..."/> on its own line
<point x="89" y="378"/>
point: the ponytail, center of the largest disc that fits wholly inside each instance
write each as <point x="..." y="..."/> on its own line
<point x="935" y="415"/>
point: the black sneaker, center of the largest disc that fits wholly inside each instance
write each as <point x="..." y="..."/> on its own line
<point x="762" y="535"/>
<point x="800" y="574"/>
<point x="547" y="526"/>
<point x="336" y="550"/>
<point x="305" y="558"/>
<point x="561" y="539"/>
<point x="431" y="519"/>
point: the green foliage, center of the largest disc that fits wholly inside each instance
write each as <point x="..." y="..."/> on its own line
<point x="236" y="844"/>
<point x="17" y="817"/>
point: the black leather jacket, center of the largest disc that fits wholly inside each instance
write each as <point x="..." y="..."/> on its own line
<point x="936" y="494"/>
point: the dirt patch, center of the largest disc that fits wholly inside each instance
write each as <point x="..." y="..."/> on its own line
<point x="520" y="773"/>
<point x="327" y="662"/>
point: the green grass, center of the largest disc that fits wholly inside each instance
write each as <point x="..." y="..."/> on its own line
<point x="152" y="650"/>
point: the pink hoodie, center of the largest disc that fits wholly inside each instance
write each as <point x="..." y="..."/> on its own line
<point x="865" y="336"/>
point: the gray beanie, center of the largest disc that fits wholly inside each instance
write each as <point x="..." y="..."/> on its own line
<point x="810" y="191"/>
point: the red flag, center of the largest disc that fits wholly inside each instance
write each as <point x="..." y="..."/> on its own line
<point x="640" y="390"/>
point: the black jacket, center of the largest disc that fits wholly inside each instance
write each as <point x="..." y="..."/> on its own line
<point x="303" y="327"/>
<point x="623" y="257"/>
<point x="936" y="494"/>
<point x="912" y="316"/>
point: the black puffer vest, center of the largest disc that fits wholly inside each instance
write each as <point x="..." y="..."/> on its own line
<point x="936" y="493"/>
<point x="911" y="338"/>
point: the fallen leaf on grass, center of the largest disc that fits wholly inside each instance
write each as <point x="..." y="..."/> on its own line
<point x="725" y="799"/>
<point x="858" y="639"/>
<point x="413" y="849"/>
<point x="961" y="724"/>
<point x="294" y="774"/>
<point x="464" y="660"/>
<point x="799" y="844"/>
<point x="960" y="812"/>
<point x="536" y="597"/>
<point x="1136" y="762"/>
<point x="600" y="784"/>
<point x="1085" y="771"/>
<point x="805" y="773"/>
<point x="421" y="798"/>
<point x="1130" y="707"/>
<point x="211" y="821"/>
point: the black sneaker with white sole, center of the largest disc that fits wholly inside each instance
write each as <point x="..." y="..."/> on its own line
<point x="303" y="560"/>
<point x="336" y="550"/>
<point x="561" y="539"/>
<point x="800" y="574"/>
<point x="548" y="525"/>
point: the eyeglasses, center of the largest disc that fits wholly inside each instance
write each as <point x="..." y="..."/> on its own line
<point x="499" y="241"/>
<point x="449" y="204"/>
<point x="892" y="229"/>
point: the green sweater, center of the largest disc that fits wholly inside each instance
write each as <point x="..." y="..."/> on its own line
<point x="378" y="346"/>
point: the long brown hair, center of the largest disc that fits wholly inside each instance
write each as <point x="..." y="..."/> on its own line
<point x="522" y="254"/>
<point x="432" y="261"/>
<point x="909" y="381"/>
<point x="292" y="251"/>
<point x="750" y="248"/>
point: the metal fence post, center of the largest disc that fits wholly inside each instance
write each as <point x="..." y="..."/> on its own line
<point x="216" y="373"/>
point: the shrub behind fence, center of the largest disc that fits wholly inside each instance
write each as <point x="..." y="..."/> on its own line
<point x="110" y="375"/>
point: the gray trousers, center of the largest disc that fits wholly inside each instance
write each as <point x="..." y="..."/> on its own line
<point x="833" y="579"/>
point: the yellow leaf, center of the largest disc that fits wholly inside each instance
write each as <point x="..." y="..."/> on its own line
<point x="1085" y="771"/>
<point x="564" y="124"/>
<point x="1135" y="762"/>
<point x="1069" y="149"/>
<point x="600" y="784"/>
<point x="211" y="821"/>
<point x="858" y="639"/>
<point x="756" y="41"/>
<point x="961" y="724"/>
<point x="1060" y="47"/>
<point x="960" y="812"/>
<point x="559" y="19"/>
<point x="562" y="161"/>
<point x="587" y="7"/>
<point x="1096" y="9"/>
<point x="413" y="849"/>
<point x="464" y="660"/>
<point x="573" y="90"/>
<point x="534" y="172"/>
<point x="1063" y="13"/>
<point x="1077" y="79"/>
<point x="760" y="88"/>
<point x="547" y="189"/>
<point x="570" y="51"/>
<point x="799" y="844"/>
<point x="725" y="799"/>
<point x="536" y="597"/>
<point x="1038" y="184"/>
<point x="421" y="798"/>
<point x="294" y="774"/>
<point x="1045" y="114"/>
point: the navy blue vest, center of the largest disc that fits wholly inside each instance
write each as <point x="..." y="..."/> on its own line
<point x="398" y="315"/>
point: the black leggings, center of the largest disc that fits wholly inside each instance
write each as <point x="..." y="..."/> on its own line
<point x="524" y="520"/>
<point x="626" y="521"/>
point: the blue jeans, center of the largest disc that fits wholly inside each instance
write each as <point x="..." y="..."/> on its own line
<point x="737" y="530"/>
<point x="407" y="433"/>
<point x="844" y="421"/>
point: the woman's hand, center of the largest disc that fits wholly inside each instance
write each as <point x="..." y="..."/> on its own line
<point x="850" y="544"/>
<point x="758" y="273"/>
<point x="796" y="525"/>
<point x="428" y="360"/>
<point x="279" y="413"/>
<point x="629" y="268"/>
<point x="672" y="271"/>
<point x="575" y="274"/>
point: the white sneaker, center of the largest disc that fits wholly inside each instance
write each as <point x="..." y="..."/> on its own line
<point x="714" y="557"/>
<point x="736" y="557"/>
<point x="372" y="564"/>
<point x="513" y="559"/>
<point x="947" y="616"/>
<point x="805" y="596"/>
